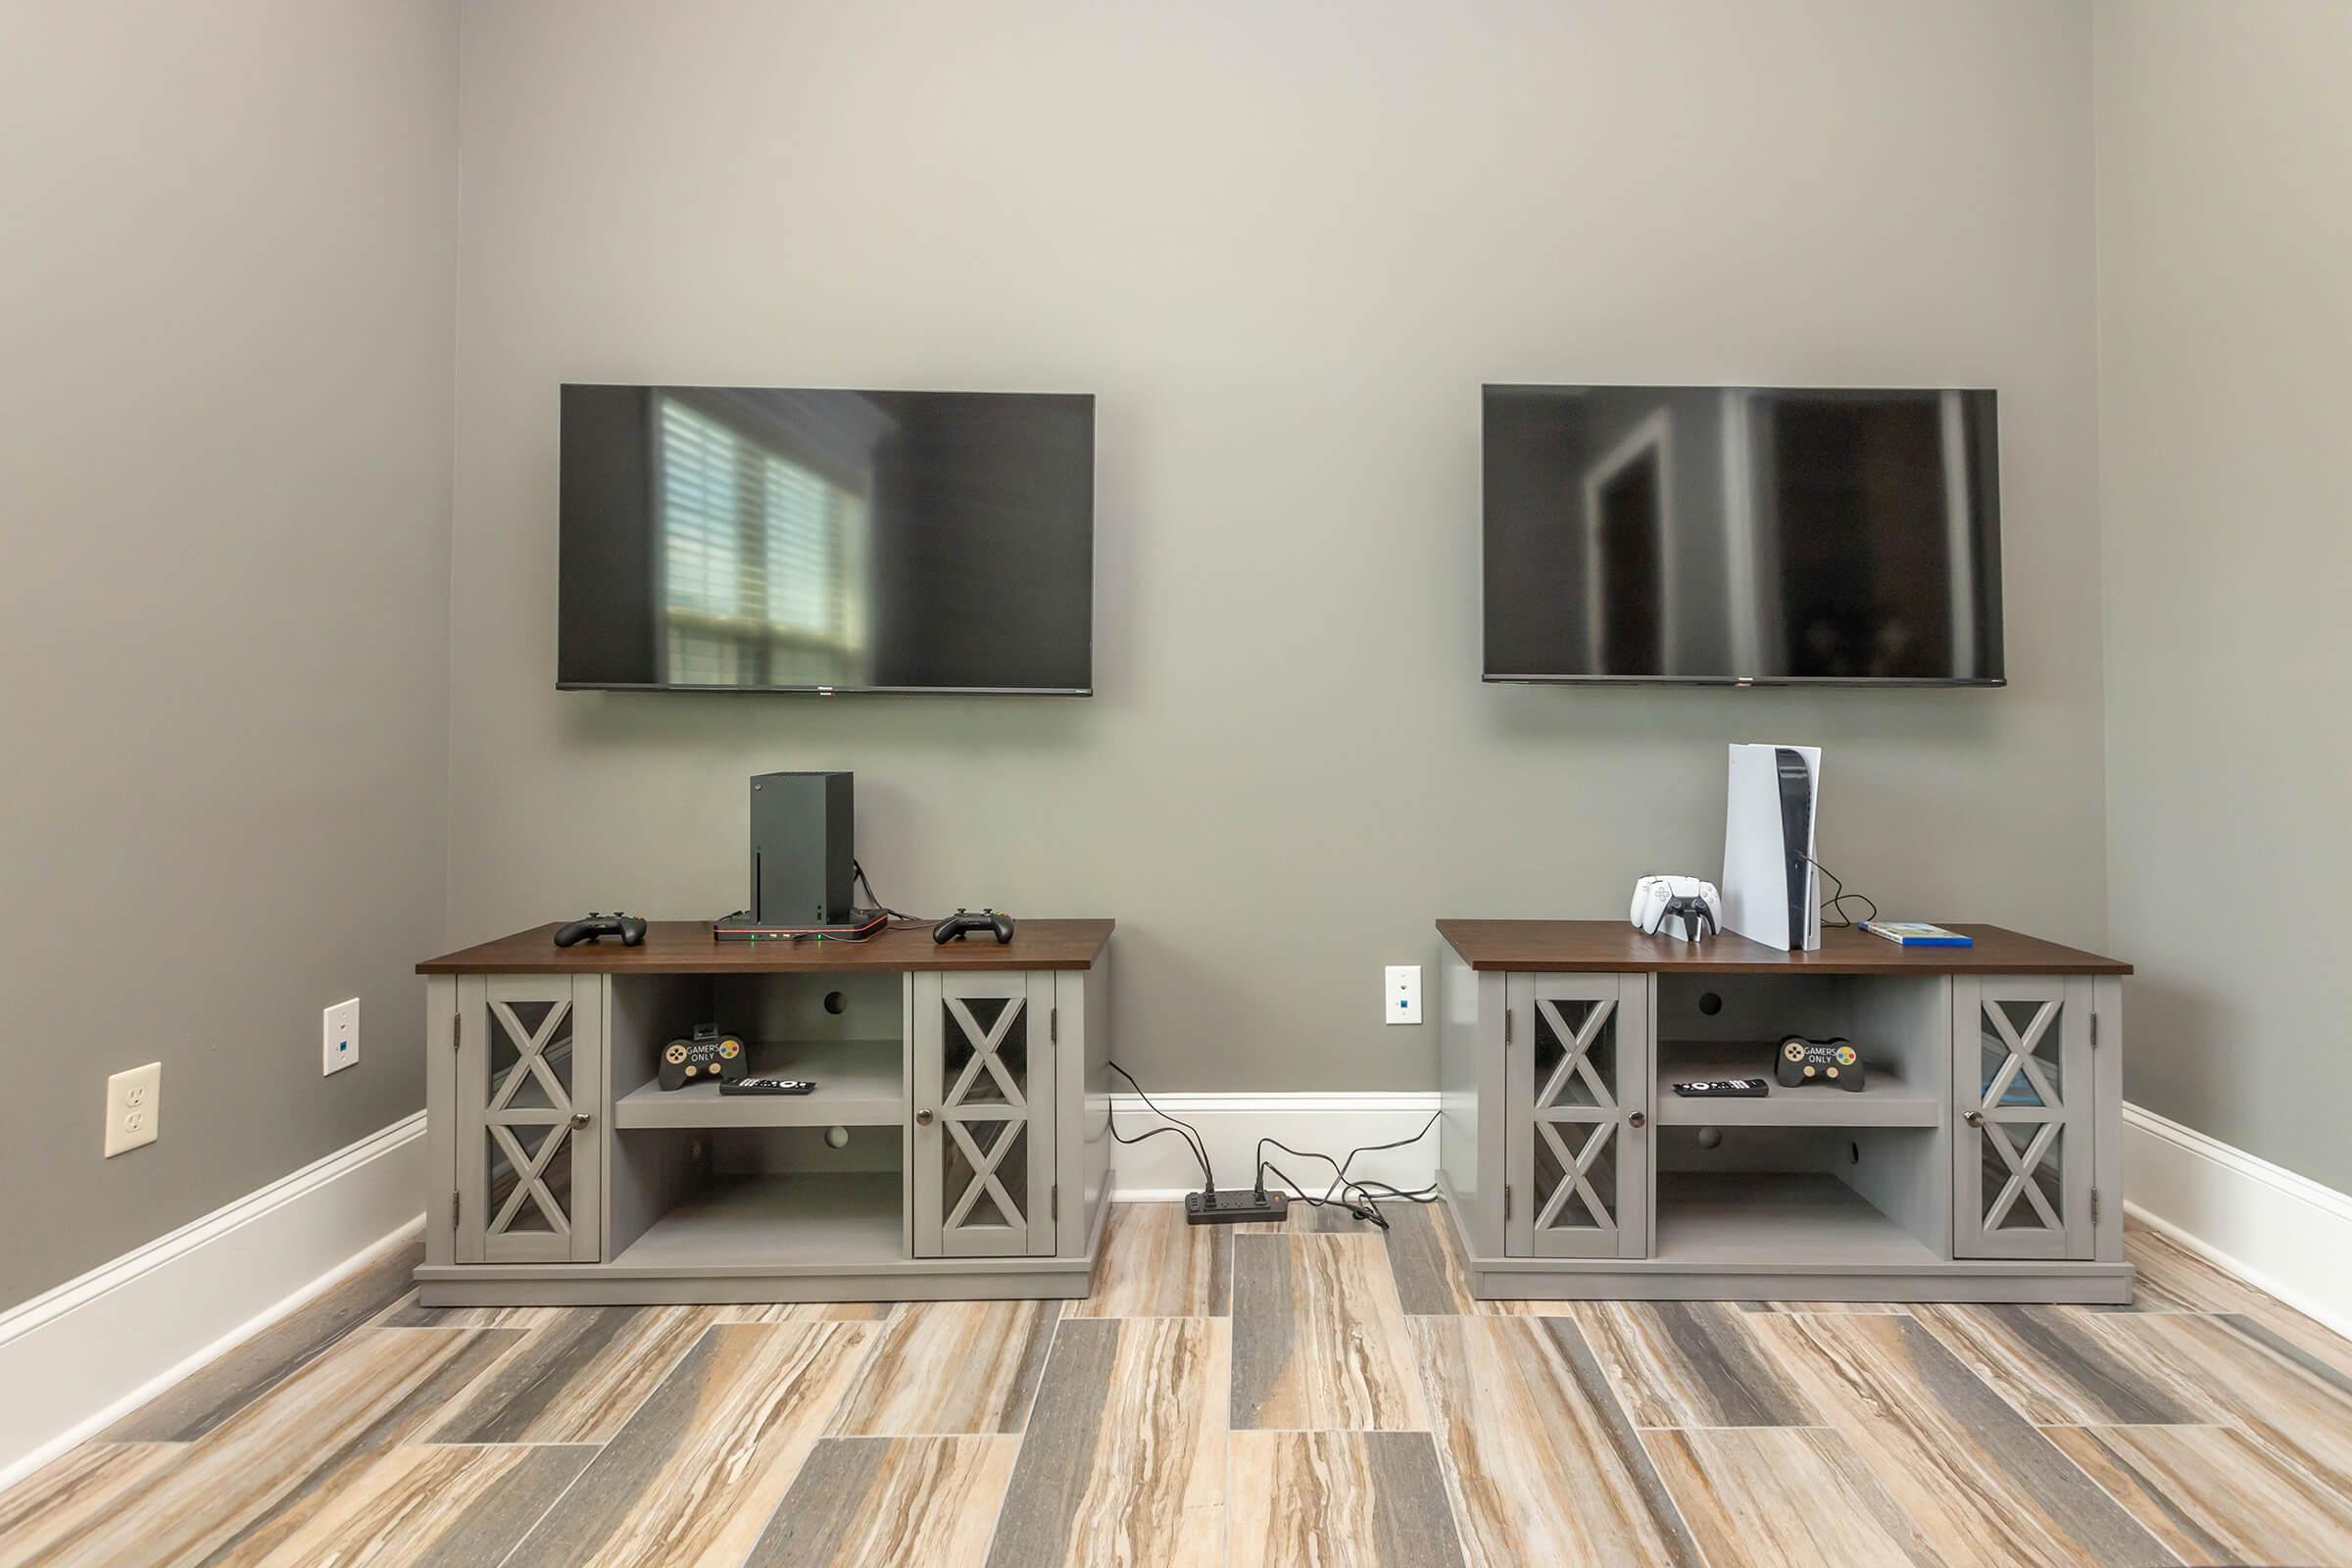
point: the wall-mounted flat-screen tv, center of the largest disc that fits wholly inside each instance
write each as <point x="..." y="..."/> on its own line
<point x="1739" y="535"/>
<point x="784" y="540"/>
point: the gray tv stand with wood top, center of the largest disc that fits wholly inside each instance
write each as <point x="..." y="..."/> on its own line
<point x="971" y="1078"/>
<point x="1982" y="1161"/>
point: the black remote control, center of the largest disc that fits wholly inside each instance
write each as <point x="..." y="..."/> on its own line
<point x="764" y="1086"/>
<point x="1697" y="1089"/>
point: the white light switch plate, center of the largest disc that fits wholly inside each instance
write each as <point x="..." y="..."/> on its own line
<point x="339" y="1043"/>
<point x="134" y="1105"/>
<point x="1400" y="1001"/>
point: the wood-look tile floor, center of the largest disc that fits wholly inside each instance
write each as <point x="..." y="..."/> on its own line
<point x="1308" y="1392"/>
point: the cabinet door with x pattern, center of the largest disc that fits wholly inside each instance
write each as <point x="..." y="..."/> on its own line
<point x="983" y="1075"/>
<point x="1576" y="1084"/>
<point x="2024" y="1094"/>
<point x="530" y="1053"/>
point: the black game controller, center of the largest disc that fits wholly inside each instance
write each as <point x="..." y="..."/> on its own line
<point x="628" y="927"/>
<point x="957" y="925"/>
<point x="1801" y="1061"/>
<point x="1692" y="912"/>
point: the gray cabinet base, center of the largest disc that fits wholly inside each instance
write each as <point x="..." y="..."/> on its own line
<point x="1552" y="1279"/>
<point x="929" y="1279"/>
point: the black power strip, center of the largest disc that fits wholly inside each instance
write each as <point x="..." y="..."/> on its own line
<point x="1234" y="1205"/>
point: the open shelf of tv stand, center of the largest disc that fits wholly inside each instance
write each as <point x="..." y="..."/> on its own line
<point x="1888" y="1099"/>
<point x="849" y="1220"/>
<point x="858" y="1084"/>
<point x="1732" y="1221"/>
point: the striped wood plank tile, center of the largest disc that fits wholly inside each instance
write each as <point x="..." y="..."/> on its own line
<point x="691" y="1480"/>
<point x="407" y="1314"/>
<point x="2290" y="1398"/>
<point x="1153" y="1264"/>
<point x="1318" y="1336"/>
<point x="870" y="1500"/>
<point x="576" y="1378"/>
<point x="1824" y="1307"/>
<point x="1798" y="1496"/>
<point x="400" y="1423"/>
<point x="210" y="1395"/>
<point x="1124" y="1460"/>
<point x="1981" y="1482"/>
<point x="433" y="1506"/>
<point x="254" y="1480"/>
<point x="2174" y="1279"/>
<point x="1301" y="1499"/>
<point x="2065" y="1367"/>
<point x="1305" y="1218"/>
<point x="1425" y="1257"/>
<point x="807" y="1312"/>
<point x="2215" y="1495"/>
<point x="943" y="1368"/>
<point x="57" y="1502"/>
<point x="1539" y="1462"/>
<point x="1691" y="1364"/>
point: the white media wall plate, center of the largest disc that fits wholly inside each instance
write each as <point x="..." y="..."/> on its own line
<point x="339" y="1041"/>
<point x="1401" y="998"/>
<point x="134" y="1107"/>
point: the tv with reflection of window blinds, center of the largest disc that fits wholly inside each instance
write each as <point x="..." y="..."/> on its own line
<point x="1737" y="535"/>
<point x="761" y="539"/>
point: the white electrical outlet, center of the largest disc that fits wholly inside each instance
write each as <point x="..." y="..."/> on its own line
<point x="1400" y="999"/>
<point x="134" y="1105"/>
<point x="340" y="1041"/>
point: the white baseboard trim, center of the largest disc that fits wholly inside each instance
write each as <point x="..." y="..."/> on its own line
<point x="2285" y="1233"/>
<point x="77" y="1357"/>
<point x="1230" y="1125"/>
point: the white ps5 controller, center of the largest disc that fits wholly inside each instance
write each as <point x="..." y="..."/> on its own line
<point x="1669" y="902"/>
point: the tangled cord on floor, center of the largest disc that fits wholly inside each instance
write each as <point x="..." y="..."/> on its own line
<point x="1360" y="1196"/>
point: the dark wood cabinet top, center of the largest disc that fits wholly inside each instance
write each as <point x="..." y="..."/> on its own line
<point x="686" y="947"/>
<point x="1615" y="946"/>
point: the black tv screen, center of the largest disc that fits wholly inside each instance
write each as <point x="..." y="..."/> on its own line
<point x="1742" y="534"/>
<point x="772" y="539"/>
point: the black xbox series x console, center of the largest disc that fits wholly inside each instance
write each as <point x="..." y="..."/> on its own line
<point x="804" y="833"/>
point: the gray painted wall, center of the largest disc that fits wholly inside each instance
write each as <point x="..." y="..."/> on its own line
<point x="1285" y="244"/>
<point x="225" y="449"/>
<point x="2225" y="326"/>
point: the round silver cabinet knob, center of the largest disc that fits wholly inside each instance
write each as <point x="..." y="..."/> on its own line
<point x="579" y="1119"/>
<point x="1637" y="1119"/>
<point x="922" y="1118"/>
<point x="1975" y="1118"/>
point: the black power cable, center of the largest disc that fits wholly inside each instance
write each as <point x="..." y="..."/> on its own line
<point x="1341" y="1184"/>
<point x="1360" y="1211"/>
<point x="873" y="900"/>
<point x="1200" y="1150"/>
<point x="1834" y="903"/>
<point x="1363" y="1205"/>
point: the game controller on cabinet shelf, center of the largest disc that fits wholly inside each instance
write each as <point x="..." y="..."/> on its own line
<point x="1677" y="906"/>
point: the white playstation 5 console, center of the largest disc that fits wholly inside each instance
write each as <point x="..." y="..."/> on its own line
<point x="1770" y="887"/>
